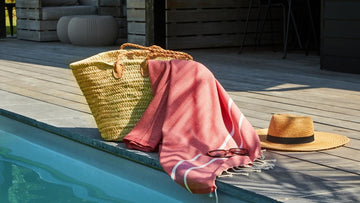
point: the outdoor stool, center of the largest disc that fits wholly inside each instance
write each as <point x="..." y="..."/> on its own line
<point x="268" y="4"/>
<point x="92" y="30"/>
<point x="62" y="29"/>
<point x="286" y="5"/>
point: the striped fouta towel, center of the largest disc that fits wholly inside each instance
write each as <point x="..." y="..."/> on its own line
<point x="191" y="114"/>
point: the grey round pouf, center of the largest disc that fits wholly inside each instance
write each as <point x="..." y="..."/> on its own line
<point x="62" y="28"/>
<point x="93" y="30"/>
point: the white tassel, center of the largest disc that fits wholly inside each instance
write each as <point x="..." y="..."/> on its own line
<point x="227" y="173"/>
<point x="258" y="165"/>
<point x="216" y="196"/>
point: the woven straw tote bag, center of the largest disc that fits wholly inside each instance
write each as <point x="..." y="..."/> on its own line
<point x="116" y="86"/>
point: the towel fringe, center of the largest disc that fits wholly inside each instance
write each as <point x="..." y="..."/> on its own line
<point x="211" y="195"/>
<point x="257" y="166"/>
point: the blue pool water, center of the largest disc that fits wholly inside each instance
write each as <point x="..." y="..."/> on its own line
<point x="38" y="166"/>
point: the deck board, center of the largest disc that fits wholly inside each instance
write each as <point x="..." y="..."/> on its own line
<point x="40" y="72"/>
<point x="320" y="116"/>
<point x="35" y="81"/>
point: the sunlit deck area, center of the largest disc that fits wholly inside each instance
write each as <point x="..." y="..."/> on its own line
<point x="38" y="88"/>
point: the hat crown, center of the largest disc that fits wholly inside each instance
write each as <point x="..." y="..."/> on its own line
<point x="296" y="133"/>
<point x="291" y="126"/>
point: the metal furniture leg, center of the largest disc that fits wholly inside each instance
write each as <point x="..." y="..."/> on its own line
<point x="312" y="23"/>
<point x="263" y="23"/>
<point x="257" y="23"/>
<point x="246" y="27"/>
<point x="287" y="30"/>
<point x="284" y="22"/>
<point x="291" y="15"/>
<point x="296" y="29"/>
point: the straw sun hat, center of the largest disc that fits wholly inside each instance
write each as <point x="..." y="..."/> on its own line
<point x="296" y="133"/>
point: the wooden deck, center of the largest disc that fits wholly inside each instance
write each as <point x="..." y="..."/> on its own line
<point x="35" y="82"/>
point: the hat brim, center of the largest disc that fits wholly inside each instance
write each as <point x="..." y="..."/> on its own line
<point x="323" y="140"/>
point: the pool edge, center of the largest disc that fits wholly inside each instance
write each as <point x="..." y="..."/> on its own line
<point x="240" y="193"/>
<point x="95" y="143"/>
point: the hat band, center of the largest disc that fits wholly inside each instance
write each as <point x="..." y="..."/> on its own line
<point x="290" y="140"/>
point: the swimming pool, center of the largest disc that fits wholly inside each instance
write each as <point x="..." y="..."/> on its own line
<point x="38" y="166"/>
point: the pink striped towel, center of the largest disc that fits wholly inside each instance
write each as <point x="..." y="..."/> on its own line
<point x="190" y="114"/>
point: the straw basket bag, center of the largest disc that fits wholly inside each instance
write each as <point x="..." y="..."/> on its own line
<point x="116" y="86"/>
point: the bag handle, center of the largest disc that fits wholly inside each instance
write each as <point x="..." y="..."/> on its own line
<point x="165" y="53"/>
<point x="153" y="47"/>
<point x="154" y="52"/>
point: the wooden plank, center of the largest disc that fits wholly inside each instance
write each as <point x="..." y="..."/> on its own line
<point x="203" y="28"/>
<point x="283" y="105"/>
<point x="36" y="35"/>
<point x="342" y="47"/>
<point x="207" y="41"/>
<point x="42" y="53"/>
<point x="46" y="98"/>
<point x="41" y="70"/>
<point x="259" y="87"/>
<point x="260" y="116"/>
<point x="290" y="174"/>
<point x="20" y="57"/>
<point x="202" y="41"/>
<point x="180" y="4"/>
<point x="113" y="11"/>
<point x="136" y="28"/>
<point x="48" y="89"/>
<point x="197" y="28"/>
<point x="110" y="3"/>
<point x="204" y="15"/>
<point x="341" y="9"/>
<point x="313" y="108"/>
<point x="307" y="95"/>
<point x="271" y="78"/>
<point x="25" y="13"/>
<point x="28" y="4"/>
<point x="137" y="15"/>
<point x="137" y="4"/>
<point x="66" y="83"/>
<point x="339" y="63"/>
<point x="221" y="18"/>
<point x="39" y="25"/>
<point x="319" y="116"/>
<point x="220" y="14"/>
<point x="339" y="42"/>
<point x="334" y="159"/>
<point x="137" y="39"/>
<point x="316" y="94"/>
<point x="342" y="29"/>
<point x="89" y="2"/>
<point x="45" y="56"/>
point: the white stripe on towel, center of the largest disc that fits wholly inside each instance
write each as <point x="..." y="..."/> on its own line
<point x="179" y="163"/>
<point x="197" y="167"/>
<point x="240" y="125"/>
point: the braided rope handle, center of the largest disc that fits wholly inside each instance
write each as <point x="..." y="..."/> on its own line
<point x="152" y="52"/>
<point x="153" y="47"/>
<point x="166" y="54"/>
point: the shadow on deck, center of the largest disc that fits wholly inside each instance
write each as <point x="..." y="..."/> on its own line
<point x="36" y="82"/>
